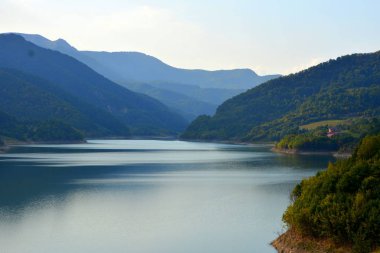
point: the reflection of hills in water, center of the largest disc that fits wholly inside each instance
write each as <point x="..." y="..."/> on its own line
<point x="169" y="195"/>
<point x="33" y="173"/>
<point x="302" y="162"/>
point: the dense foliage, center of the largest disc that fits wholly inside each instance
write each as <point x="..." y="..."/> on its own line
<point x="329" y="103"/>
<point x="54" y="131"/>
<point x="342" y="203"/>
<point x="308" y="142"/>
<point x="28" y="98"/>
<point x="10" y="127"/>
<point x="338" y="89"/>
<point x="80" y="83"/>
<point x="349" y="135"/>
<point x="188" y="92"/>
<point x="41" y="131"/>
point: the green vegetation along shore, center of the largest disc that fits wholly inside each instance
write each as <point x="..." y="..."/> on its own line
<point x="343" y="137"/>
<point x="340" y="89"/>
<point x="47" y="131"/>
<point x="338" y="208"/>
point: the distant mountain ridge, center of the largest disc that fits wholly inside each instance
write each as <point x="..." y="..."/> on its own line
<point x="134" y="66"/>
<point x="338" y="89"/>
<point x="141" y="114"/>
<point x="181" y="103"/>
<point x="131" y="68"/>
<point x="140" y="67"/>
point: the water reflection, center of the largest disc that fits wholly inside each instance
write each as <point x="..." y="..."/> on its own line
<point x="145" y="196"/>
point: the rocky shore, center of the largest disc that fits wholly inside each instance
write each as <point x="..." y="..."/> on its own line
<point x="292" y="242"/>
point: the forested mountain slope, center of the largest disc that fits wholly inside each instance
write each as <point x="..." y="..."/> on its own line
<point x="30" y="99"/>
<point x="142" y="114"/>
<point x="37" y="131"/>
<point x="151" y="76"/>
<point x="341" y="204"/>
<point x="346" y="87"/>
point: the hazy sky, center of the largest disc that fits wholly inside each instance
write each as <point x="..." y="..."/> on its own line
<point x="268" y="36"/>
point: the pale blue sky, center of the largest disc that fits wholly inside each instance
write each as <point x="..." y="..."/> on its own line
<point x="274" y="36"/>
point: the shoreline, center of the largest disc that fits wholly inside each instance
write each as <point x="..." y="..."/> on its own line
<point x="10" y="143"/>
<point x="271" y="143"/>
<point x="293" y="242"/>
<point x="19" y="143"/>
<point x="299" y="152"/>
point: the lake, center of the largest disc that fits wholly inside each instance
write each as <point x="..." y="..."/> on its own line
<point x="146" y="196"/>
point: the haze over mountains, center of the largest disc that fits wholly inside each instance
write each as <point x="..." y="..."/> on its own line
<point x="175" y="87"/>
<point x="78" y="92"/>
<point x="51" y="81"/>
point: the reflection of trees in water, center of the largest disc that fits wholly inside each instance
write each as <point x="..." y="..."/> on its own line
<point x="304" y="161"/>
<point x="23" y="184"/>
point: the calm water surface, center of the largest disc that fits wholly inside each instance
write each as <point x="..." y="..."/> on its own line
<point x="146" y="196"/>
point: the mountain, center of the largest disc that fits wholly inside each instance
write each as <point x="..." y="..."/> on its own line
<point x="184" y="105"/>
<point x="188" y="100"/>
<point x="130" y="68"/>
<point x="338" y="207"/>
<point x="30" y="99"/>
<point x="57" y="45"/>
<point x="43" y="131"/>
<point x="134" y="66"/>
<point x="142" y="114"/>
<point x="338" y="89"/>
<point x="64" y="47"/>
<point x="139" y="67"/>
<point x="215" y="96"/>
<point x="9" y="127"/>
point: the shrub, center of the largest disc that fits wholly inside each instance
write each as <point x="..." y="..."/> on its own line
<point x="343" y="202"/>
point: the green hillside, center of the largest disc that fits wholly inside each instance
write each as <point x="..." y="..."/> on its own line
<point x="189" y="93"/>
<point x="142" y="114"/>
<point x="346" y="137"/>
<point x="338" y="89"/>
<point x="329" y="123"/>
<point x="342" y="203"/>
<point x="37" y="131"/>
<point x="31" y="99"/>
<point x="10" y="127"/>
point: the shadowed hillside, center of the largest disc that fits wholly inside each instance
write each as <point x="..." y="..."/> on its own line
<point x="142" y="114"/>
<point x="150" y="76"/>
